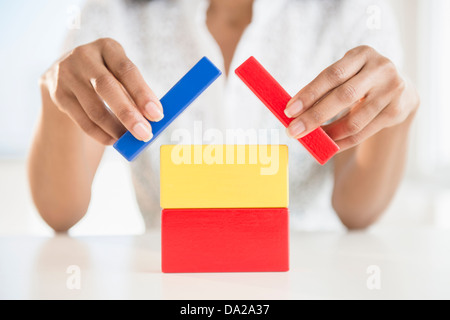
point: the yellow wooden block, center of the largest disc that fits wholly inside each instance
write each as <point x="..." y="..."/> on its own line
<point x="224" y="176"/>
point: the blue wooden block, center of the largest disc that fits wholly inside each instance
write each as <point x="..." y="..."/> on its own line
<point x="200" y="77"/>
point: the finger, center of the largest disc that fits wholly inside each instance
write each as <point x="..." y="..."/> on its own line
<point x="334" y="103"/>
<point x="111" y="91"/>
<point x="97" y="112"/>
<point x="359" y="117"/>
<point x="370" y="130"/>
<point x="329" y="79"/>
<point x="73" y="109"/>
<point x="129" y="76"/>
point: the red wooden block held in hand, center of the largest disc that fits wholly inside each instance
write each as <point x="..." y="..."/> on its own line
<point x="269" y="91"/>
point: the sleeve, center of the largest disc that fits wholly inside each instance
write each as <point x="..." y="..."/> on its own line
<point x="372" y="23"/>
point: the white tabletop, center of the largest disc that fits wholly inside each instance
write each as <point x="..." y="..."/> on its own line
<point x="407" y="264"/>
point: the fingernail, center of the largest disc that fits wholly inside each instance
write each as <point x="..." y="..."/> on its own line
<point x="154" y="112"/>
<point x="296" y="129"/>
<point x="142" y="132"/>
<point x="295" y="108"/>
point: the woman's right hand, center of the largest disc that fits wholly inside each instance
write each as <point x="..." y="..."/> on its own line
<point x="98" y="75"/>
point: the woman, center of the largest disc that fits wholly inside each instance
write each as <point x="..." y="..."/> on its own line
<point x="350" y="53"/>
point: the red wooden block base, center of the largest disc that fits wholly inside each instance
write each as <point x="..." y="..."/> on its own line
<point x="225" y="240"/>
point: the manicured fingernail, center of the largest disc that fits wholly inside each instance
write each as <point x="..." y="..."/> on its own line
<point x="296" y="129"/>
<point x="154" y="112"/>
<point x="142" y="132"/>
<point x="295" y="108"/>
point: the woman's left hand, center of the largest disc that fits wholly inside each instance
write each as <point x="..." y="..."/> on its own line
<point x="365" y="84"/>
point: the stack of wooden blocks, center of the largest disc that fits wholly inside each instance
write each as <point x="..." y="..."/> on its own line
<point x="224" y="210"/>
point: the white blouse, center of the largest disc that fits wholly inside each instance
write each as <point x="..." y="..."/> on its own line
<point x="293" y="39"/>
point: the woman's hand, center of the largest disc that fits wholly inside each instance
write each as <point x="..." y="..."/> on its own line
<point x="98" y="75"/>
<point x="363" y="85"/>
